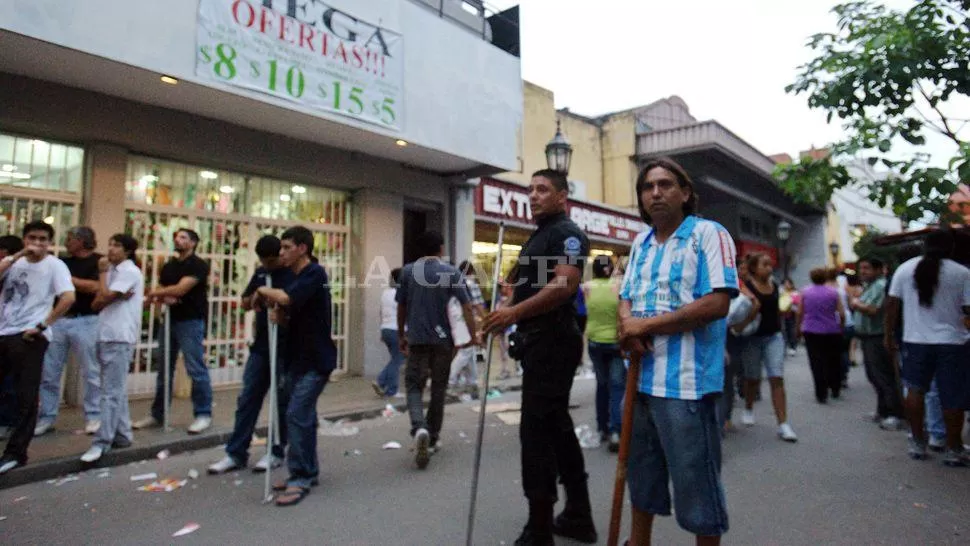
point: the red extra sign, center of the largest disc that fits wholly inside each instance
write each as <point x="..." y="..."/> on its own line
<point x="497" y="200"/>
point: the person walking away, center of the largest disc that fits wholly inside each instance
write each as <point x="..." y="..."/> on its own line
<point x="935" y="294"/>
<point x="839" y="282"/>
<point x="390" y="377"/>
<point x="601" y="295"/>
<point x="550" y="345"/>
<point x="422" y="307"/>
<point x="880" y="369"/>
<point x="766" y="347"/>
<point x="183" y="286"/>
<point x="742" y="313"/>
<point x="820" y="320"/>
<point x="788" y="302"/>
<point x="463" y="372"/>
<point x="9" y="245"/>
<point x="306" y="306"/>
<point x="76" y="332"/>
<point x="256" y="375"/>
<point x="119" y="300"/>
<point x="32" y="279"/>
<point x="673" y="304"/>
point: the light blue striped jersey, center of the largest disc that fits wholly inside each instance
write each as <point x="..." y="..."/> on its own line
<point x="698" y="259"/>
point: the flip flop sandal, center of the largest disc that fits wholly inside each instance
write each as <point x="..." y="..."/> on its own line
<point x="292" y="496"/>
<point x="281" y="485"/>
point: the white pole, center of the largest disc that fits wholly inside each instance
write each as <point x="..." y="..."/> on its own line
<point x="272" y="431"/>
<point x="483" y="393"/>
<point x="166" y="408"/>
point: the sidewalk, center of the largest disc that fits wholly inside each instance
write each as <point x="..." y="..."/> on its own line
<point x="58" y="452"/>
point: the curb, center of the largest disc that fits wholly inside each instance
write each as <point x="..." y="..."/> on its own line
<point x="54" y="468"/>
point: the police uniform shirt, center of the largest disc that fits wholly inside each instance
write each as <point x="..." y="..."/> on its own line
<point x="557" y="241"/>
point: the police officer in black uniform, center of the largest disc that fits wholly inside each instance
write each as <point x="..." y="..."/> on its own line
<point x="550" y="345"/>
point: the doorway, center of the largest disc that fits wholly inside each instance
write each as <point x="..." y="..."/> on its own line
<point x="419" y="218"/>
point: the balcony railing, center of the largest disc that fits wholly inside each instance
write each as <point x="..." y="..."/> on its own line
<point x="706" y="134"/>
<point x="498" y="27"/>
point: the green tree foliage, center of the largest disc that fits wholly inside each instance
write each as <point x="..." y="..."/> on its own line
<point x="887" y="75"/>
<point x="866" y="247"/>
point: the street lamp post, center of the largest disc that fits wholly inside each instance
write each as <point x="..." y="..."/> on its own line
<point x="559" y="153"/>
<point x="834" y="250"/>
<point x="784" y="232"/>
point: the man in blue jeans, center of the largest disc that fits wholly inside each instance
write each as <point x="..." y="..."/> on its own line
<point x="311" y="355"/>
<point x="183" y="288"/>
<point x="676" y="292"/>
<point x="256" y="377"/>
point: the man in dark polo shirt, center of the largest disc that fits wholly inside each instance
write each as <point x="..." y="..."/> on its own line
<point x="305" y="306"/>
<point x="183" y="288"/>
<point x="77" y="333"/>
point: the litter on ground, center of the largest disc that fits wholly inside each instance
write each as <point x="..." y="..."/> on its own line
<point x="163" y="486"/>
<point x="510" y="418"/>
<point x="353" y="453"/>
<point x="194" y="474"/>
<point x="189" y="528"/>
<point x="588" y="439"/>
<point x="339" y="428"/>
<point x="391" y="445"/>
<point x="143" y="477"/>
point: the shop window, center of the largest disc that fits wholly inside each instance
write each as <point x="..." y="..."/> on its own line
<point x="40" y="164"/>
<point x="166" y="183"/>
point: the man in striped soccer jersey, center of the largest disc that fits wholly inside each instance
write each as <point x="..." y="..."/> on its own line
<point x="677" y="290"/>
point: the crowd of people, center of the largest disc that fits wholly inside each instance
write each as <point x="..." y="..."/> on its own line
<point x="698" y="326"/>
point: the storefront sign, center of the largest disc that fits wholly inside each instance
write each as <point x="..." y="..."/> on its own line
<point x="499" y="200"/>
<point x="750" y="247"/>
<point x="311" y="54"/>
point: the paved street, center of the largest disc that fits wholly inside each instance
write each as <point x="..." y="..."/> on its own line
<point x="845" y="482"/>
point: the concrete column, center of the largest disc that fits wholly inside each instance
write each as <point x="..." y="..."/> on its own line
<point x="463" y="210"/>
<point x="378" y="248"/>
<point x="104" y="198"/>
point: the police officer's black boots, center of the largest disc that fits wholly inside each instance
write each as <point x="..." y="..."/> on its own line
<point x="538" y="532"/>
<point x="576" y="520"/>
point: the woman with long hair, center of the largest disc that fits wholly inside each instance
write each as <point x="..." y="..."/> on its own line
<point x="765" y="348"/>
<point x="935" y="294"/>
<point x="602" y="299"/>
<point x="820" y="320"/>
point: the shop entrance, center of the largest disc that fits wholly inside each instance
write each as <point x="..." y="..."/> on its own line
<point x="418" y="218"/>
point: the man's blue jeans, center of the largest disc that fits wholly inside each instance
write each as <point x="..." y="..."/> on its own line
<point x="187" y="336"/>
<point x="79" y="334"/>
<point x="610" y="385"/>
<point x="301" y="424"/>
<point x="934" y="414"/>
<point x="256" y="383"/>
<point x="390" y="376"/>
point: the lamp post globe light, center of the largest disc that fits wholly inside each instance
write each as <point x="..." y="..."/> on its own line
<point x="559" y="152"/>
<point x="784" y="233"/>
<point x="834" y="250"/>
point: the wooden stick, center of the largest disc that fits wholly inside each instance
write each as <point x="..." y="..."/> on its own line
<point x="626" y="431"/>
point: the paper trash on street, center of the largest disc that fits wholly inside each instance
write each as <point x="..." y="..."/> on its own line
<point x="391" y="445"/>
<point x="340" y="428"/>
<point x="143" y="477"/>
<point x="163" y="486"/>
<point x="189" y="528"/>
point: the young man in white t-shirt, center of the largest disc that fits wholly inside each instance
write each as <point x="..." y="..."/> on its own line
<point x="121" y="293"/>
<point x="934" y="292"/>
<point x="32" y="279"/>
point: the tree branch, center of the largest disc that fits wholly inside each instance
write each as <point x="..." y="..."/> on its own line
<point x="946" y="126"/>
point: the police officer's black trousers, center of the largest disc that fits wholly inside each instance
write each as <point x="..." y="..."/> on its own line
<point x="550" y="448"/>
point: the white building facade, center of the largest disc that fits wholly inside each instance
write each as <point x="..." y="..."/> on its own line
<point x="359" y="119"/>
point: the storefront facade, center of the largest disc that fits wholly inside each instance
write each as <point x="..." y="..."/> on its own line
<point x="89" y="134"/>
<point x="610" y="231"/>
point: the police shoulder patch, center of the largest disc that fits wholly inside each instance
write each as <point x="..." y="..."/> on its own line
<point x="572" y="246"/>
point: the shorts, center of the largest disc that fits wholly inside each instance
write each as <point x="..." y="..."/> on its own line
<point x="948" y="364"/>
<point x="763" y="351"/>
<point x="678" y="441"/>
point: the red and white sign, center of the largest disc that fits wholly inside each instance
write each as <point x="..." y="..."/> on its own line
<point x="497" y="200"/>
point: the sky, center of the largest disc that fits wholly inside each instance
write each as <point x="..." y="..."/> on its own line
<point x="729" y="60"/>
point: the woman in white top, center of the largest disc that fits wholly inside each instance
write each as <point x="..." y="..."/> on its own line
<point x="389" y="378"/>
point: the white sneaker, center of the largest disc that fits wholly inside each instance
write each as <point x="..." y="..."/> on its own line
<point x="92" y="454"/>
<point x="92" y="427"/>
<point x="147" y="422"/>
<point x="267" y="462"/>
<point x="891" y="423"/>
<point x="6" y="465"/>
<point x="422" y="441"/>
<point x="792" y="352"/>
<point x="224" y="465"/>
<point x="200" y="424"/>
<point x="747" y="418"/>
<point x="786" y="433"/>
<point x="43" y="427"/>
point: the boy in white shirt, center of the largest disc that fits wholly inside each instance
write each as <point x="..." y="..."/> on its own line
<point x="121" y="293"/>
<point x="32" y="280"/>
